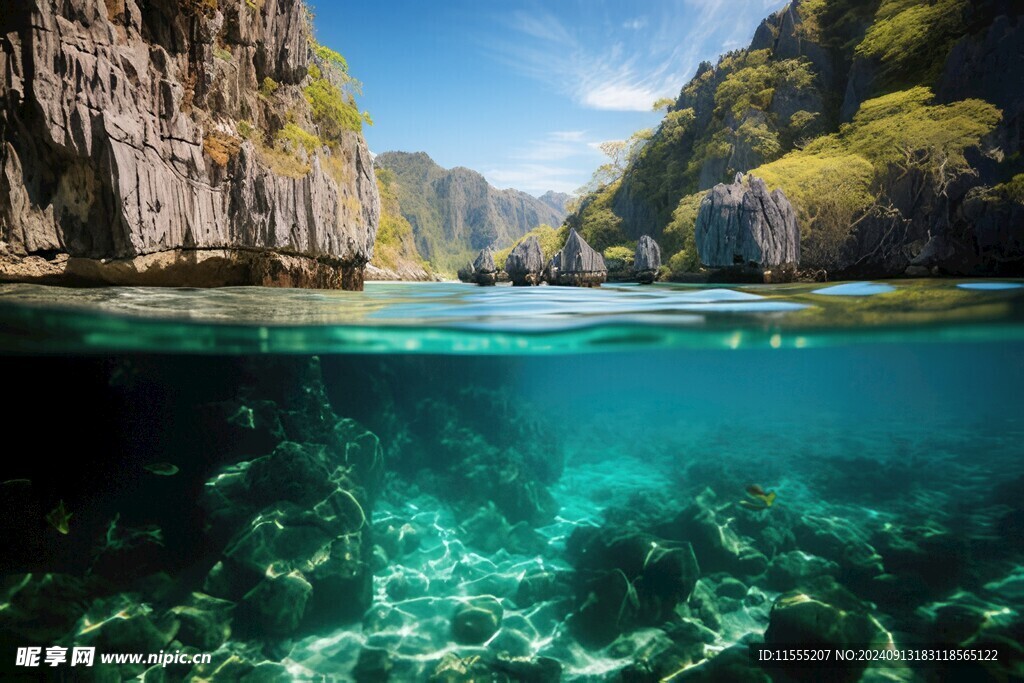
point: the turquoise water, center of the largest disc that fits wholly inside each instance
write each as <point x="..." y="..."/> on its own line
<point x="443" y="482"/>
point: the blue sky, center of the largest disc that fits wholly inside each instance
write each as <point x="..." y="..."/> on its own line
<point x="523" y="91"/>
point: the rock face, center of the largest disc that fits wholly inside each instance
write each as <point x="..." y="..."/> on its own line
<point x="577" y="264"/>
<point x="484" y="272"/>
<point x="646" y="260"/>
<point x="526" y="262"/>
<point x="130" y="149"/>
<point x="742" y="225"/>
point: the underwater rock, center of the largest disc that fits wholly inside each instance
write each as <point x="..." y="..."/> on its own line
<point x="703" y="605"/>
<point x="278" y="603"/>
<point x="397" y="540"/>
<point x="801" y="619"/>
<point x="373" y="666"/>
<point x="525" y="263"/>
<point x="743" y="226"/>
<point x="646" y="260"/>
<point x="717" y="546"/>
<point x="293" y="472"/>
<point x="577" y="264"/>
<point x="541" y="585"/>
<point x="205" y="621"/>
<point x="473" y="448"/>
<point x="731" y="665"/>
<point x="40" y="608"/>
<point x="455" y="669"/>
<point x="301" y="508"/>
<point x="731" y="588"/>
<point x="119" y="624"/>
<point x="625" y="579"/>
<point x="793" y="570"/>
<point x="127" y="553"/>
<point x="843" y="543"/>
<point x="268" y="672"/>
<point x="476" y="621"/>
<point x="655" y="656"/>
<point x="527" y="669"/>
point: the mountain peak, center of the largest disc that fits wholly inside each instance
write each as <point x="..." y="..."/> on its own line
<point x="455" y="212"/>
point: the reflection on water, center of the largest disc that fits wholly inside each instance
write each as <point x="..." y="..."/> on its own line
<point x="457" y="318"/>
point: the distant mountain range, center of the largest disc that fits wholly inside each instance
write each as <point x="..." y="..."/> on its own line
<point x="455" y="213"/>
<point x="556" y="200"/>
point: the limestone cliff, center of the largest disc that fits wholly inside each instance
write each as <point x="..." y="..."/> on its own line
<point x="893" y="126"/>
<point x="140" y="143"/>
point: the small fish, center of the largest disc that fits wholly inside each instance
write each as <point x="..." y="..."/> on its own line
<point x="58" y="517"/>
<point x="163" y="469"/>
<point x="759" y="494"/>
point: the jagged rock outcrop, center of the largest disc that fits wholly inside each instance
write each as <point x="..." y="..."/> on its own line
<point x="525" y="263"/>
<point x="646" y="260"/>
<point x="131" y="149"/>
<point x="456" y="212"/>
<point x="482" y="271"/>
<point x="577" y="264"/>
<point x="744" y="226"/>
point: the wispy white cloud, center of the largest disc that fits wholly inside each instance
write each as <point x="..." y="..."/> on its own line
<point x="534" y="178"/>
<point x="568" y="135"/>
<point x="627" y="66"/>
<point x="544" y="164"/>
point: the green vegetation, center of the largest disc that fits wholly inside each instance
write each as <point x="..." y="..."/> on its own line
<point x="829" y="189"/>
<point x="268" y="87"/>
<point x="222" y="53"/>
<point x="911" y="38"/>
<point x="395" y="244"/>
<point x="837" y="179"/>
<point x="1015" y="189"/>
<point x="619" y="257"/>
<point x="752" y="85"/>
<point x="679" y="241"/>
<point x="333" y="111"/>
<point x="293" y="138"/>
<point x="246" y="130"/>
<point x="551" y="240"/>
<point x="596" y="221"/>
<point x="903" y="130"/>
<point x="755" y="112"/>
<point x="329" y="92"/>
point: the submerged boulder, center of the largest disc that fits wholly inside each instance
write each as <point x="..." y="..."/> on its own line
<point x="745" y="229"/>
<point x="646" y="260"/>
<point x="526" y="262"/>
<point x="577" y="264"/>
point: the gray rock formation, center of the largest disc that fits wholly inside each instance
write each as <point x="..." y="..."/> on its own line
<point x="131" y="149"/>
<point x="525" y="263"/>
<point x="743" y="226"/>
<point x="577" y="264"/>
<point x="485" y="272"/>
<point x="646" y="260"/>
